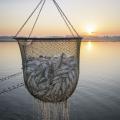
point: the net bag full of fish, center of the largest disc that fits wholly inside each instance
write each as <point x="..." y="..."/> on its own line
<point x="50" y="67"/>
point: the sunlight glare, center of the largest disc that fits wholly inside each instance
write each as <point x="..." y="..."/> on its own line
<point x="89" y="45"/>
<point x="90" y="28"/>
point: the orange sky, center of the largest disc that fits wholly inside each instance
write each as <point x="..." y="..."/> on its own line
<point x="101" y="15"/>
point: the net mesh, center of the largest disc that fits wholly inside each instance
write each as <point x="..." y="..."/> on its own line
<point x="50" y="68"/>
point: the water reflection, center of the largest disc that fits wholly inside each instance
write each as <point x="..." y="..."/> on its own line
<point x="10" y="59"/>
<point x="97" y="96"/>
<point x="89" y="46"/>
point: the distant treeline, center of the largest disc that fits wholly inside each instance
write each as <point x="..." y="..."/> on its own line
<point x="85" y="39"/>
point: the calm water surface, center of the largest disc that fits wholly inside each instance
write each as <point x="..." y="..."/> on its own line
<point x="97" y="96"/>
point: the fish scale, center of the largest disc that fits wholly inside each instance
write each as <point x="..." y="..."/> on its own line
<point x="53" y="77"/>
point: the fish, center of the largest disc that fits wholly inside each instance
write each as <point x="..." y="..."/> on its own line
<point x="51" y="78"/>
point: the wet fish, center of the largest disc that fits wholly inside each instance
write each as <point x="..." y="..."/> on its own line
<point x="51" y="78"/>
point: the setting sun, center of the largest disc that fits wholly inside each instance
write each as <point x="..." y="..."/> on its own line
<point x="90" y="29"/>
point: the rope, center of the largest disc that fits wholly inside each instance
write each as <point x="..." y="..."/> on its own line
<point x="37" y="18"/>
<point x="66" y="17"/>
<point x="10" y="76"/>
<point x="28" y="18"/>
<point x="11" y="88"/>
<point x="68" y="23"/>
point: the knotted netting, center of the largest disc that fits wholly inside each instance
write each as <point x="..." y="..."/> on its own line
<point x="51" y="68"/>
<point x="51" y="64"/>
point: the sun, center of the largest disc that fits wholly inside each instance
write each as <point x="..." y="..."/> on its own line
<point x="90" y="29"/>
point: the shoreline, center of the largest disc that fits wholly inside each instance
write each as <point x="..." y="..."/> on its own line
<point x="85" y="39"/>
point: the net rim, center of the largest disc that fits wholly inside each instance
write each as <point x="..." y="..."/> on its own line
<point x="43" y="39"/>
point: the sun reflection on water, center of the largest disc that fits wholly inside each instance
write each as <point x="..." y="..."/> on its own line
<point x="89" y="46"/>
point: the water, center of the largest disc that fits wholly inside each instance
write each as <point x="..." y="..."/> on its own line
<point x="97" y="96"/>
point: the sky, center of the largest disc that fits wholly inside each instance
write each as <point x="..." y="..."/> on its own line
<point x="96" y="17"/>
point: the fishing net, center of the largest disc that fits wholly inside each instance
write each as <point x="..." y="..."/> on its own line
<point x="51" y="67"/>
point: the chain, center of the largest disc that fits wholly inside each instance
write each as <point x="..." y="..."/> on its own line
<point x="13" y="87"/>
<point x="10" y="76"/>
